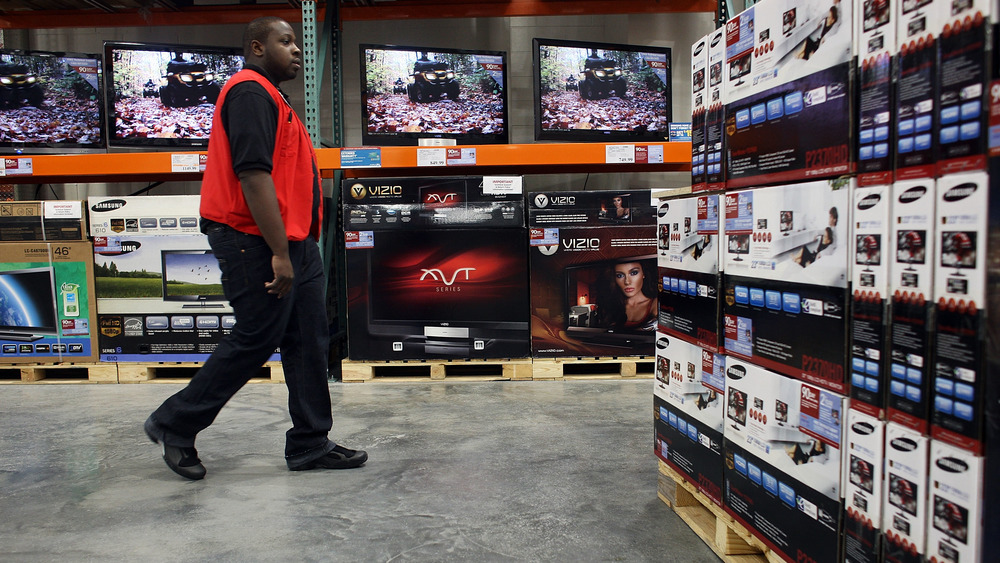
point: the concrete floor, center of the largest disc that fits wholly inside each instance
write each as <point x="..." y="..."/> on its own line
<point x="492" y="471"/>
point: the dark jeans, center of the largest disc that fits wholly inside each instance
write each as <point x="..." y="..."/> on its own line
<point x="297" y="324"/>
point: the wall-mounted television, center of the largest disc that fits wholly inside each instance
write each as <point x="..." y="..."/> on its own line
<point x="50" y="102"/>
<point x="413" y="93"/>
<point x="163" y="95"/>
<point x="192" y="276"/>
<point x="588" y="91"/>
<point x="27" y="304"/>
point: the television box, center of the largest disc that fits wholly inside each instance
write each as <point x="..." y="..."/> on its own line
<point x="715" y="113"/>
<point x="865" y="451"/>
<point x="689" y="269"/>
<point x="904" y="505"/>
<point x="962" y="113"/>
<point x="875" y="33"/>
<point x="52" y="102"/>
<point x="785" y="281"/>
<point x="159" y="298"/>
<point x="589" y="252"/>
<point x="782" y="461"/>
<point x="144" y="215"/>
<point x="436" y="268"/>
<point x="42" y="220"/>
<point x="699" y="93"/>
<point x="918" y="25"/>
<point x="955" y="504"/>
<point x="911" y="282"/>
<point x="587" y="91"/>
<point x="47" y="302"/>
<point x="163" y="95"/>
<point x="413" y="93"/>
<point x="960" y="328"/>
<point x="689" y="391"/>
<point x="870" y="256"/>
<point x="788" y="78"/>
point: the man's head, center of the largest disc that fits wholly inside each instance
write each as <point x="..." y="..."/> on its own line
<point x="269" y="43"/>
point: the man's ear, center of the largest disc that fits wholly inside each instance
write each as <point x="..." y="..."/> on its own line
<point x="257" y="48"/>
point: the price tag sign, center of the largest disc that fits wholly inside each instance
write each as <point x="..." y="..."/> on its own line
<point x="431" y="157"/>
<point x="619" y="154"/>
<point x="654" y="154"/>
<point x="17" y="167"/>
<point x="361" y="158"/>
<point x="461" y="156"/>
<point x="184" y="163"/>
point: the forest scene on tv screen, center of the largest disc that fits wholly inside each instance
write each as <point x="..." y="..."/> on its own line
<point x="605" y="90"/>
<point x="167" y="94"/>
<point x="49" y="100"/>
<point x="427" y="92"/>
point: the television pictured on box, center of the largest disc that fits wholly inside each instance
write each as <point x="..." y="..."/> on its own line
<point x="786" y="222"/>
<point x="958" y="250"/>
<point x="28" y="304"/>
<point x="869" y="251"/>
<point x="910" y="247"/>
<point x="736" y="407"/>
<point x="739" y="67"/>
<point x="588" y="91"/>
<point x="739" y="245"/>
<point x="951" y="519"/>
<point x="50" y="102"/>
<point x="163" y="95"/>
<point x="616" y="208"/>
<point x="192" y="276"/>
<point x="596" y="296"/>
<point x="413" y="93"/>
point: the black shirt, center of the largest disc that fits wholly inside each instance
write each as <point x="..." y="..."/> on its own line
<point x="250" y="119"/>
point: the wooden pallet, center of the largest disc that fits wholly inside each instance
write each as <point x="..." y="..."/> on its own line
<point x="59" y="373"/>
<point x="729" y="539"/>
<point x="182" y="372"/>
<point x="641" y="367"/>
<point x="436" y="370"/>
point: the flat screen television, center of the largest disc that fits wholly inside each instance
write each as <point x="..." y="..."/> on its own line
<point x="903" y="494"/>
<point x="786" y="222"/>
<point x="616" y="208"/>
<point x="910" y="247"/>
<point x="876" y="14"/>
<point x="588" y="91"/>
<point x="163" y="95"/>
<point x="413" y="93"/>
<point x="27" y="304"/>
<point x="736" y="408"/>
<point x="868" y="251"/>
<point x="50" y="102"/>
<point x="595" y="300"/>
<point x="958" y="250"/>
<point x="951" y="519"/>
<point x="192" y="276"/>
<point x="739" y="67"/>
<point x="739" y="245"/>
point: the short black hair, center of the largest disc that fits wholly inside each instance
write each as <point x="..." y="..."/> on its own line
<point x="257" y="30"/>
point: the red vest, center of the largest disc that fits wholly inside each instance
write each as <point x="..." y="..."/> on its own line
<point x="294" y="163"/>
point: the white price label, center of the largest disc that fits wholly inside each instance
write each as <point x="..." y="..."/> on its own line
<point x="619" y="154"/>
<point x="184" y="163"/>
<point x="431" y="156"/>
<point x="17" y="167"/>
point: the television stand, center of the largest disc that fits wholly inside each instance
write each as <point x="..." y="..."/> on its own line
<point x="20" y="337"/>
<point x="203" y="306"/>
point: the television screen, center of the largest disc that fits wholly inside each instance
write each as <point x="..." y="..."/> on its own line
<point x="785" y="222"/>
<point x="27" y="304"/>
<point x="862" y="474"/>
<point x="910" y="247"/>
<point x="410" y="93"/>
<point x="876" y="14"/>
<point x="903" y="494"/>
<point x="869" y="250"/>
<point x="739" y="67"/>
<point x="951" y="519"/>
<point x="616" y="208"/>
<point x="737" y="406"/>
<point x="162" y="95"/>
<point x="600" y="91"/>
<point x="958" y="249"/>
<point x="50" y="102"/>
<point x="191" y="275"/>
<point x="739" y="244"/>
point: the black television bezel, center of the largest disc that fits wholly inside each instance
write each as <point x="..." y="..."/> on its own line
<point x="597" y="134"/>
<point x="39" y="331"/>
<point x="149" y="143"/>
<point x="184" y="298"/>
<point x="15" y="148"/>
<point x="413" y="139"/>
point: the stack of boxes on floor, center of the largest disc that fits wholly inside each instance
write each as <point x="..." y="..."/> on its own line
<point x="46" y="281"/>
<point x="852" y="283"/>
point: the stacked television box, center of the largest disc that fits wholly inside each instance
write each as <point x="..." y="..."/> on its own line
<point x="875" y="34"/>
<point x="158" y="283"/>
<point x="593" y="273"/>
<point x="47" y="306"/>
<point x="715" y="113"/>
<point x="436" y="268"/>
<point x="699" y="92"/>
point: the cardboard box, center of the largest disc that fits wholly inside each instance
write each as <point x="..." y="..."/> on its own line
<point x="918" y="25"/>
<point x="788" y="82"/>
<point x="699" y="93"/>
<point x="42" y="221"/>
<point x="785" y="281"/>
<point x="715" y="113"/>
<point x="689" y="269"/>
<point x="904" y="520"/>
<point x="436" y="268"/>
<point x="865" y="457"/>
<point x="689" y="392"/>
<point x="911" y="282"/>
<point x="956" y="505"/>
<point x="144" y="215"/>
<point x="783" y="461"/>
<point x="47" y="302"/>
<point x="870" y="255"/>
<point x="586" y="259"/>
<point x="958" y="397"/>
<point x="875" y="33"/>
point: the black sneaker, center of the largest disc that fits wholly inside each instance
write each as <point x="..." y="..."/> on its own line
<point x="337" y="458"/>
<point x="182" y="461"/>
